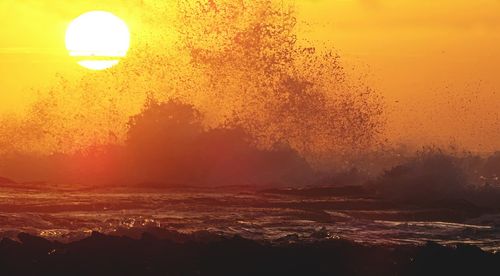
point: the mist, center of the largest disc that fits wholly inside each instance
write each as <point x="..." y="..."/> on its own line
<point x="254" y="105"/>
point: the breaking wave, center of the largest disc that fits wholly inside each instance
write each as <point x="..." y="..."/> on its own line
<point x="238" y="63"/>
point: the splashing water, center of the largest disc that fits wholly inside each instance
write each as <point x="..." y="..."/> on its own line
<point x="237" y="62"/>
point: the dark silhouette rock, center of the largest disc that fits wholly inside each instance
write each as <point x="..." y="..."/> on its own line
<point x="209" y="254"/>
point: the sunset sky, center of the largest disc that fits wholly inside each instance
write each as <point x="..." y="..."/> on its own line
<point x="423" y="56"/>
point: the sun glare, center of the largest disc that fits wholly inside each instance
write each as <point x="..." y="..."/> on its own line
<point x="98" y="40"/>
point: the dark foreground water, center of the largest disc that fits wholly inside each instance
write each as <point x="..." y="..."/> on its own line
<point x="277" y="216"/>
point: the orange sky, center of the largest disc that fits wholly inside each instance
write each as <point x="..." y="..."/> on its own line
<point x="437" y="62"/>
<point x="32" y="48"/>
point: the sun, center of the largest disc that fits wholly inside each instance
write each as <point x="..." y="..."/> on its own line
<point x="98" y="39"/>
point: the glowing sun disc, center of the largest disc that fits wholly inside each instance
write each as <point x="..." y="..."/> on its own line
<point x="97" y="39"/>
